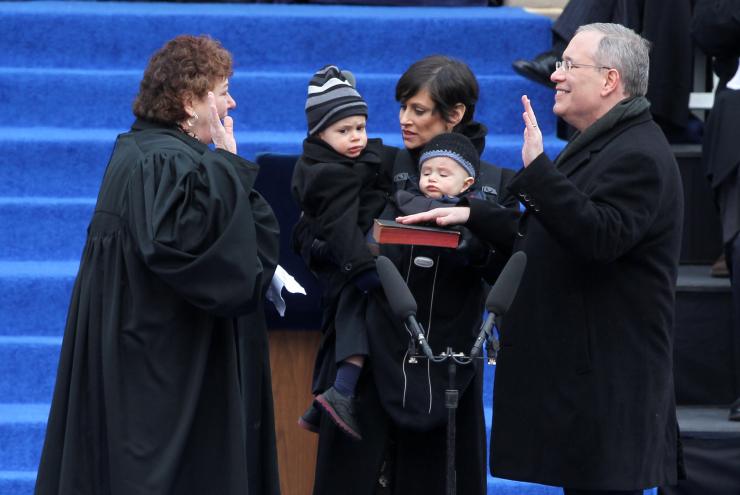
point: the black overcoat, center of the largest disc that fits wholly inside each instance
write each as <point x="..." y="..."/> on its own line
<point x="584" y="393"/>
<point x="164" y="377"/>
<point x="339" y="198"/>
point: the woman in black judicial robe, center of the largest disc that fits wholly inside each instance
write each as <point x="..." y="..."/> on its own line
<point x="163" y="384"/>
<point x="403" y="450"/>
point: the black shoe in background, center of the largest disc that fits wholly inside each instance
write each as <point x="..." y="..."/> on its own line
<point x="735" y="411"/>
<point x="341" y="410"/>
<point x="539" y="69"/>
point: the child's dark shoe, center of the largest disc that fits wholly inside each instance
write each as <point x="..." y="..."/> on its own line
<point x="341" y="410"/>
<point x="310" y="419"/>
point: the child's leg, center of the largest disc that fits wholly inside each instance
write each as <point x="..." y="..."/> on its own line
<point x="350" y="351"/>
<point x="348" y="372"/>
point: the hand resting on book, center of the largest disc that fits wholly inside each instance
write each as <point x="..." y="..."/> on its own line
<point x="455" y="215"/>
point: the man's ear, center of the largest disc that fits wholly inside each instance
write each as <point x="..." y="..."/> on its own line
<point x="612" y="82"/>
<point x="456" y="115"/>
<point x="467" y="183"/>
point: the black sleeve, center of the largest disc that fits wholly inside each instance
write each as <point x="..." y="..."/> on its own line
<point x="506" y="198"/>
<point x="493" y="223"/>
<point x="607" y="222"/>
<point x="409" y="202"/>
<point x="198" y="228"/>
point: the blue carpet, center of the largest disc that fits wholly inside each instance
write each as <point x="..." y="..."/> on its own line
<point x="106" y="101"/>
<point x="268" y="37"/>
<point x="67" y="79"/>
<point x="33" y="300"/>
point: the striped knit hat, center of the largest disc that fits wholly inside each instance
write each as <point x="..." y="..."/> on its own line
<point x="455" y="146"/>
<point x="331" y="97"/>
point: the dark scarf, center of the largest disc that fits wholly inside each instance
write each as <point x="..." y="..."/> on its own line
<point x="317" y="150"/>
<point x="622" y="111"/>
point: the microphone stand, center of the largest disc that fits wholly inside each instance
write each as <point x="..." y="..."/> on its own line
<point x="498" y="301"/>
<point x="451" y="400"/>
<point x="452" y="396"/>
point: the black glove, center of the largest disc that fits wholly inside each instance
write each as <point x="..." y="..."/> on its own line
<point x="314" y="252"/>
<point x="320" y="253"/>
<point x="367" y="280"/>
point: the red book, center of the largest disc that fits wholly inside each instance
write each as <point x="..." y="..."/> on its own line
<point x="390" y="232"/>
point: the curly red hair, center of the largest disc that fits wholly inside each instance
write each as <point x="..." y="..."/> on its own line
<point x="185" y="67"/>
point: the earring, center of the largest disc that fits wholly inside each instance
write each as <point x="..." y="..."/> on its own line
<point x="192" y="120"/>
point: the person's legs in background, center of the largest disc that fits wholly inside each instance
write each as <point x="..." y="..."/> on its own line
<point x="575" y="14"/>
<point x="732" y="255"/>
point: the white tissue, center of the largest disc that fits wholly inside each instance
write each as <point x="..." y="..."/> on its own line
<point x="282" y="279"/>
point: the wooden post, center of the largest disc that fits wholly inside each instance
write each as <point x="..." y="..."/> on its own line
<point x="292" y="354"/>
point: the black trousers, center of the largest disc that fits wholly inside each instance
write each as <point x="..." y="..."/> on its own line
<point x="349" y="324"/>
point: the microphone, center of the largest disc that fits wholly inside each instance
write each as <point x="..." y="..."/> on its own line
<point x="401" y="300"/>
<point x="501" y="296"/>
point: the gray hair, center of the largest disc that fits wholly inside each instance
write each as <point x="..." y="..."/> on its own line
<point x="624" y="50"/>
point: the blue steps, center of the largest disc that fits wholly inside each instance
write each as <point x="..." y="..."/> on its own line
<point x="31" y="162"/>
<point x="22" y="429"/>
<point x="17" y="482"/>
<point x="55" y="227"/>
<point x="34" y="296"/>
<point x="67" y="86"/>
<point x="268" y="37"/>
<point x="20" y="382"/>
<point x="266" y="101"/>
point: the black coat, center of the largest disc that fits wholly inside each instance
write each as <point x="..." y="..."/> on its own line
<point x="164" y="376"/>
<point x="584" y="393"/>
<point x="411" y="437"/>
<point x="339" y="198"/>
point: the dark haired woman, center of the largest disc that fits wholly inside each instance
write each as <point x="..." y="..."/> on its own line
<point x="401" y="410"/>
<point x="163" y="384"/>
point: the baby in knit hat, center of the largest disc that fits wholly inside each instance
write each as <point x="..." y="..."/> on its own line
<point x="448" y="166"/>
<point x="340" y="190"/>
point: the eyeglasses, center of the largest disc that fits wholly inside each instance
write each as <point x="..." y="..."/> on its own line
<point x="567" y="65"/>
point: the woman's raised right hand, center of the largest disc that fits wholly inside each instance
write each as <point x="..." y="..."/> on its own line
<point x="222" y="134"/>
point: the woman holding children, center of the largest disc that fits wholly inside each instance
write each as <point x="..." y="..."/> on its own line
<point x="395" y="409"/>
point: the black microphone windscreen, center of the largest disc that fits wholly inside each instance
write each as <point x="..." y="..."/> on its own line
<point x="507" y="283"/>
<point x="396" y="291"/>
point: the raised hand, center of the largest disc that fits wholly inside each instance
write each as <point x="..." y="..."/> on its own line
<point x="532" y="146"/>
<point x="222" y="134"/>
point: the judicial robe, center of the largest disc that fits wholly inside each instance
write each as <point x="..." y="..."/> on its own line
<point x="163" y="384"/>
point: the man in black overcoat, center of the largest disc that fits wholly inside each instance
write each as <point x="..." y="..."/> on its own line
<point x="716" y="29"/>
<point x="584" y="394"/>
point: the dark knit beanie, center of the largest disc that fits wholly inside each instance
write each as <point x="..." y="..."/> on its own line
<point x="455" y="146"/>
<point x="331" y="97"/>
